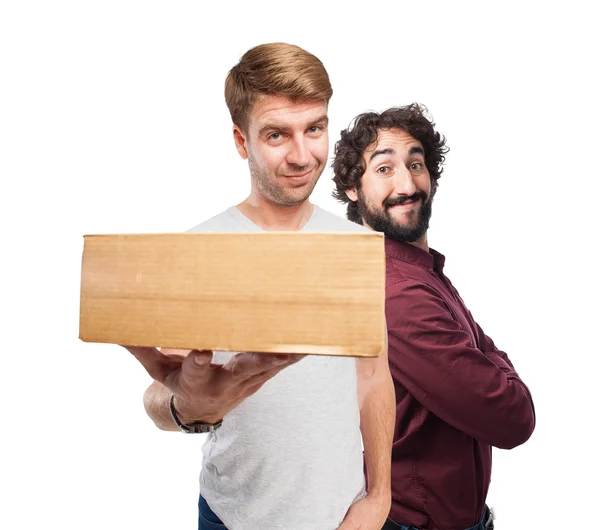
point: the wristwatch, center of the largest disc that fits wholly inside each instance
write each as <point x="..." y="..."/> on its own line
<point x="194" y="427"/>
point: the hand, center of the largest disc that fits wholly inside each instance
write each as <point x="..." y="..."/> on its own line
<point x="369" y="513"/>
<point x="205" y="391"/>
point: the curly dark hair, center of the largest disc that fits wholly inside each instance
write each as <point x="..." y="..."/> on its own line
<point x="348" y="165"/>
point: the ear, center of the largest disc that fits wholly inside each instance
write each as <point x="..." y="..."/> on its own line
<point x="240" y="141"/>
<point x="352" y="194"/>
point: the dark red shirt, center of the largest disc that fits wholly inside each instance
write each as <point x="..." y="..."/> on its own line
<point x="456" y="396"/>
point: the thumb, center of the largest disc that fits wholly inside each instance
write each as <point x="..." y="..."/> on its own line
<point x="195" y="367"/>
<point x="200" y="357"/>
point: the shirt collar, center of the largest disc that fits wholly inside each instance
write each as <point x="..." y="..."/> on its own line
<point x="408" y="253"/>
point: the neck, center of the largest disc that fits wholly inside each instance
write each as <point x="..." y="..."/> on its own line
<point x="272" y="217"/>
<point x="422" y="243"/>
<point x="419" y="243"/>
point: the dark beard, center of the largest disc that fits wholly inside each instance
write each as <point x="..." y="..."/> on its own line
<point x="382" y="221"/>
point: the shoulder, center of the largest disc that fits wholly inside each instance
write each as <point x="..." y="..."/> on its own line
<point x="413" y="298"/>
<point x="325" y="220"/>
<point x="406" y="276"/>
<point x="222" y="222"/>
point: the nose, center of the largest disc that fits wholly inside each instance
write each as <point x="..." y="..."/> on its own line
<point x="299" y="153"/>
<point x="404" y="183"/>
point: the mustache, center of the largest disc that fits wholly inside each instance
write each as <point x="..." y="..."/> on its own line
<point x="401" y="199"/>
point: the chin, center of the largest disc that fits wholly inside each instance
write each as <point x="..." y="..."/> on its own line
<point x="405" y="221"/>
<point x="294" y="199"/>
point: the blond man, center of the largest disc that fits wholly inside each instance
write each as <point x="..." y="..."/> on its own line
<point x="284" y="443"/>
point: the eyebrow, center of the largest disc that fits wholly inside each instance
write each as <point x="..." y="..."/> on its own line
<point x="378" y="152"/>
<point x="280" y="127"/>
<point x="388" y="151"/>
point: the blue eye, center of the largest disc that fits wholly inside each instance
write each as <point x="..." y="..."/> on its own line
<point x="275" y="136"/>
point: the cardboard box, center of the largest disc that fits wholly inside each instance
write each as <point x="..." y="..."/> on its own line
<point x="271" y="292"/>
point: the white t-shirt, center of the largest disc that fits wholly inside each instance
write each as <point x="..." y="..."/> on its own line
<point x="289" y="457"/>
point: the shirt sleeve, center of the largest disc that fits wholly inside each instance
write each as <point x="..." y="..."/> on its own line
<point x="477" y="392"/>
<point x="489" y="348"/>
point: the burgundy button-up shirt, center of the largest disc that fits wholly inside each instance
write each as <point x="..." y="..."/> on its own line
<point x="456" y="396"/>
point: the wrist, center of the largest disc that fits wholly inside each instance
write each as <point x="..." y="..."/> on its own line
<point x="187" y="415"/>
<point x="381" y="495"/>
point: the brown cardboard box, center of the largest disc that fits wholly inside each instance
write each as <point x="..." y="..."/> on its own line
<point x="271" y="292"/>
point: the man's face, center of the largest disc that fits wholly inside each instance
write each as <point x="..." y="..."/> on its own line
<point x="395" y="193"/>
<point x="286" y="144"/>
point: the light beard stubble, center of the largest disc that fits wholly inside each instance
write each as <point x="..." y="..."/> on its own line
<point x="277" y="194"/>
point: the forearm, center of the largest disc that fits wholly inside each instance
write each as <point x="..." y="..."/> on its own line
<point x="377" y="417"/>
<point x="156" y="403"/>
<point x="471" y="386"/>
<point x="468" y="391"/>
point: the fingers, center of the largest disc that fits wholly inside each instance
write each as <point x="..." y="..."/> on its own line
<point x="195" y="365"/>
<point x="246" y="365"/>
<point x="295" y="357"/>
<point x="177" y="352"/>
<point x="158" y="365"/>
<point x="205" y="390"/>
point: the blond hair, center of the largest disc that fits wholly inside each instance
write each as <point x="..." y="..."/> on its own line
<point x="276" y="69"/>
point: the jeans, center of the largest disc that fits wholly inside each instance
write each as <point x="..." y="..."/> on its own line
<point x="486" y="523"/>
<point x="207" y="520"/>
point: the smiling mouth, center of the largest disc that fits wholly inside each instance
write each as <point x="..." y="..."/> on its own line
<point x="405" y="204"/>
<point x="298" y="175"/>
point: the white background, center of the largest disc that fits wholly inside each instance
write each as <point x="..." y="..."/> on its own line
<point x="112" y="119"/>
